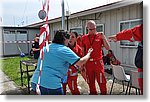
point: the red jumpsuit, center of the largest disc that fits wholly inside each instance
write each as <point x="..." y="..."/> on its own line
<point x="134" y="34"/>
<point x="116" y="62"/>
<point x="95" y="65"/>
<point x="79" y="41"/>
<point x="73" y="74"/>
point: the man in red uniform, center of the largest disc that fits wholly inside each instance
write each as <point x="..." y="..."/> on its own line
<point x="134" y="34"/>
<point x="73" y="71"/>
<point x="95" y="65"/>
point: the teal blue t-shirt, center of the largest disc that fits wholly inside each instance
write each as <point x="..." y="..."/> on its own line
<point x="55" y="66"/>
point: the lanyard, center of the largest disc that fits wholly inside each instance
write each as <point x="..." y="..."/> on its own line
<point x="91" y="43"/>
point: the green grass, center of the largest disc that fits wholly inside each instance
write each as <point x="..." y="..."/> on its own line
<point x="11" y="67"/>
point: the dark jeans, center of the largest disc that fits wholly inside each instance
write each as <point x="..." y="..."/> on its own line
<point x="36" y="55"/>
<point x="106" y="60"/>
<point x="46" y="91"/>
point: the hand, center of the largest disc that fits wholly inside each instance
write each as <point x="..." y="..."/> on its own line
<point x="90" y="50"/>
<point x="113" y="38"/>
<point x="101" y="34"/>
<point x="83" y="69"/>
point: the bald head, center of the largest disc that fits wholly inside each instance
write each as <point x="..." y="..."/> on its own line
<point x="91" y="26"/>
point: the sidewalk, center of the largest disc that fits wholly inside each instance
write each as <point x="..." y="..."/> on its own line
<point x="7" y="86"/>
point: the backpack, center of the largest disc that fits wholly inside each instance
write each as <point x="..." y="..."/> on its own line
<point x="139" y="56"/>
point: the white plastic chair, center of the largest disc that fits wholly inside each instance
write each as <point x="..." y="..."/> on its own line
<point x="134" y="81"/>
<point x="119" y="74"/>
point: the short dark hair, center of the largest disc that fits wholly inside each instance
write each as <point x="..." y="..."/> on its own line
<point x="76" y="34"/>
<point x="110" y="51"/>
<point x="60" y="37"/>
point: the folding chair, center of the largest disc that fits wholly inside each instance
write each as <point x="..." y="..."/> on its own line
<point x="119" y="74"/>
<point x="134" y="82"/>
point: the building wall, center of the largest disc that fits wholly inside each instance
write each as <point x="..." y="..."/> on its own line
<point x="110" y="19"/>
<point x="31" y="34"/>
<point x="9" y="49"/>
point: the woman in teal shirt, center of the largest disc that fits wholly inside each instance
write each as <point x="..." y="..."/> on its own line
<point x="55" y="65"/>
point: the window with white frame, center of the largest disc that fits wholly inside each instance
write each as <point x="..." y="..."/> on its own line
<point x="99" y="28"/>
<point x="127" y="25"/>
<point x="77" y="29"/>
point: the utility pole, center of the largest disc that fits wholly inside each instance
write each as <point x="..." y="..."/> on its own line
<point x="63" y="16"/>
<point x="67" y="16"/>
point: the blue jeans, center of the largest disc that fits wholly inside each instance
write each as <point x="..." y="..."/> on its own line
<point x="46" y="91"/>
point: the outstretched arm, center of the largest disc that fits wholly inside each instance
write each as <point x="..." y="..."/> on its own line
<point x="84" y="59"/>
<point x="113" y="38"/>
<point x="134" y="34"/>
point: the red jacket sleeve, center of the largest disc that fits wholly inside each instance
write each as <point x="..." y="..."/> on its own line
<point x="134" y="34"/>
<point x="79" y="52"/>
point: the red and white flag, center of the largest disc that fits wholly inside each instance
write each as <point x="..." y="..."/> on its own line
<point x="43" y="42"/>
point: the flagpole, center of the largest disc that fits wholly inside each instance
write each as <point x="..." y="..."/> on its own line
<point x="44" y="39"/>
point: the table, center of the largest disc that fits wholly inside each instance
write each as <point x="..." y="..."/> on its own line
<point x="26" y="70"/>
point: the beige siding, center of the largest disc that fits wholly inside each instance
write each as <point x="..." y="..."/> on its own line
<point x="132" y="55"/>
<point x="101" y="18"/>
<point x="111" y="19"/>
<point x="127" y="54"/>
<point x="133" y="11"/>
<point x="125" y="13"/>
<point x="139" y="11"/>
<point x="119" y="18"/>
<point x="113" y="29"/>
<point x="124" y="51"/>
<point x="107" y="23"/>
<point x="74" y="23"/>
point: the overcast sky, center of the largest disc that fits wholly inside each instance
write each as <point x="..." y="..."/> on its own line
<point x="23" y="12"/>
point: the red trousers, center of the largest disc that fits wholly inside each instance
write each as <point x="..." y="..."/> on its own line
<point x="140" y="79"/>
<point x="95" y="71"/>
<point x="72" y="84"/>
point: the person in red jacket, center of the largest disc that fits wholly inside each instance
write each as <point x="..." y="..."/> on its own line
<point x="108" y="56"/>
<point x="114" y="61"/>
<point x="133" y="34"/>
<point x="73" y="71"/>
<point x="95" y="66"/>
<point x="79" y="40"/>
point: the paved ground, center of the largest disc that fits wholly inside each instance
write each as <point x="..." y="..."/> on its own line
<point x="8" y="87"/>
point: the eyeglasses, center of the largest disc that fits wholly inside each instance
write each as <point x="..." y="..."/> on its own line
<point x="91" y="29"/>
